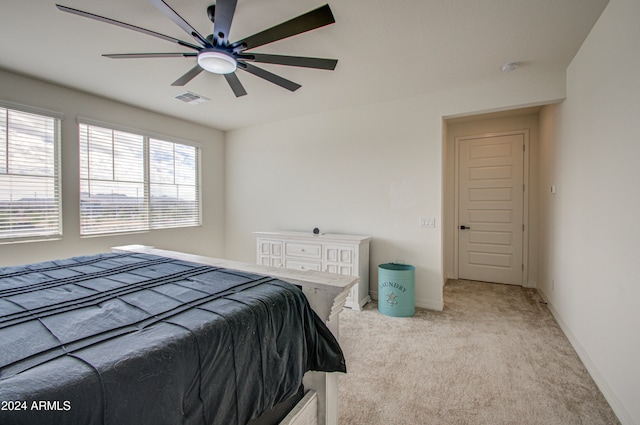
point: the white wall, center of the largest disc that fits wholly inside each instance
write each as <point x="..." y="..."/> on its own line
<point x="371" y="170"/>
<point x="590" y="150"/>
<point x="207" y="239"/>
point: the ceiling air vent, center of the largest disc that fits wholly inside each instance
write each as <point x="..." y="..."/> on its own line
<point x="191" y="98"/>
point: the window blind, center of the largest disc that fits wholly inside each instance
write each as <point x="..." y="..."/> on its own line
<point x="29" y="176"/>
<point x="174" y="192"/>
<point x="132" y="182"/>
<point x="112" y="197"/>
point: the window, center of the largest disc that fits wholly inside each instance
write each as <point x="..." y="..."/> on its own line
<point x="29" y="175"/>
<point x="131" y="182"/>
<point x="173" y="189"/>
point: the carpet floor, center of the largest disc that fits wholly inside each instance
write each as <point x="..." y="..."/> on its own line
<point x="495" y="355"/>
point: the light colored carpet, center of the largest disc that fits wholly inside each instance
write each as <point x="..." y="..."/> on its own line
<point x="495" y="355"/>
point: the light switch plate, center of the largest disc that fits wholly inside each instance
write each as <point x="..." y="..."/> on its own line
<point x="428" y="222"/>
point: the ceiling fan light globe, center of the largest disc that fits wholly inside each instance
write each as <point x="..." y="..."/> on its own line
<point x="217" y="62"/>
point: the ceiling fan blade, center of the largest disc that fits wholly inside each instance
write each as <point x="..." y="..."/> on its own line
<point x="318" y="63"/>
<point x="235" y="83"/>
<point x="273" y="78"/>
<point x="309" y="21"/>
<point x="149" y="55"/>
<point x="222" y="21"/>
<point x="125" y="25"/>
<point x="179" y="20"/>
<point x="188" y="76"/>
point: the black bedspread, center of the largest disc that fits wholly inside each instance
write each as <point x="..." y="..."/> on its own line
<point x="139" y="339"/>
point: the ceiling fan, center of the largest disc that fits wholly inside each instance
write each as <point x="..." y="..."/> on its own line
<point x="217" y="55"/>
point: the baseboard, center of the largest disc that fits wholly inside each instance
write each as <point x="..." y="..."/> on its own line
<point x="546" y="300"/>
<point x="616" y="405"/>
<point x="430" y="304"/>
<point x="420" y="302"/>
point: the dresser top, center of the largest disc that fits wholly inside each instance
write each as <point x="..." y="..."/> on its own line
<point x="320" y="237"/>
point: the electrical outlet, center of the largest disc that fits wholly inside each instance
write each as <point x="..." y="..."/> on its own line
<point x="428" y="222"/>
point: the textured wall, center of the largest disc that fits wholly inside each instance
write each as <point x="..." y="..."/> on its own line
<point x="590" y="150"/>
<point x="372" y="170"/>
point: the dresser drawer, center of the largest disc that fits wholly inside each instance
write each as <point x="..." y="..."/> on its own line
<point x="270" y="261"/>
<point x="302" y="265"/>
<point x="339" y="254"/>
<point x="340" y="269"/>
<point x="303" y="250"/>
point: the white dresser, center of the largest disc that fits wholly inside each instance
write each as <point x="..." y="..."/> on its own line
<point x="334" y="253"/>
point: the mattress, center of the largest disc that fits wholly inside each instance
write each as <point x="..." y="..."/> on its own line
<point x="141" y="339"/>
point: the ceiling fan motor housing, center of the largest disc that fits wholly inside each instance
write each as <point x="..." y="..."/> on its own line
<point x="217" y="61"/>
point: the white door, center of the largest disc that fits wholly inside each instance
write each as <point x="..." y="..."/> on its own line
<point x="490" y="208"/>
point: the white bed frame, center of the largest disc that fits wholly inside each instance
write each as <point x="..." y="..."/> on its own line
<point x="326" y="292"/>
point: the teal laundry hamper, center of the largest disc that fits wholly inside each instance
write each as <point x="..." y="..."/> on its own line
<point x="396" y="290"/>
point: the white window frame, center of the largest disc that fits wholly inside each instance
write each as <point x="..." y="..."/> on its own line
<point x="54" y="231"/>
<point x="147" y="137"/>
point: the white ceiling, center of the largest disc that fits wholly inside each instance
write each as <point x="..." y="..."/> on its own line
<point x="386" y="49"/>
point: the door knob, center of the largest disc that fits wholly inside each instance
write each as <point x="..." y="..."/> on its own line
<point x="465" y="228"/>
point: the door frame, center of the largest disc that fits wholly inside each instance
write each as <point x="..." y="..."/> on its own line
<point x="525" y="197"/>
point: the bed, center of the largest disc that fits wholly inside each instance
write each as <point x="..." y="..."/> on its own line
<point x="141" y="335"/>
